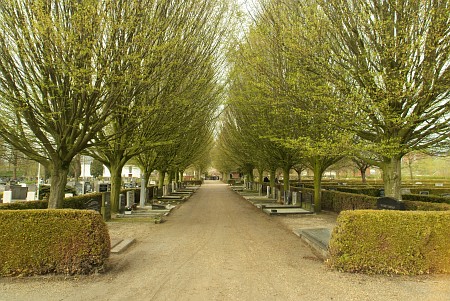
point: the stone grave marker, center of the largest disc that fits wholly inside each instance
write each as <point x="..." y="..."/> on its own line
<point x="106" y="206"/>
<point x="7" y="196"/>
<point x="19" y="192"/>
<point x="406" y="191"/>
<point x="387" y="203"/>
<point x="294" y="197"/>
<point x="130" y="199"/>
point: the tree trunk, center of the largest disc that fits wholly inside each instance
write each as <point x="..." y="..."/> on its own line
<point x="286" y="179"/>
<point x="58" y="185"/>
<point x="318" y="172"/>
<point x="180" y="177"/>
<point x="392" y="177"/>
<point x="411" y="176"/>
<point x="116" y="186"/>
<point x="161" y="177"/>
<point x="272" y="174"/>
<point x="363" y="175"/>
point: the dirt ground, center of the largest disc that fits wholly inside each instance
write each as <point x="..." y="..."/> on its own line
<point x="217" y="246"/>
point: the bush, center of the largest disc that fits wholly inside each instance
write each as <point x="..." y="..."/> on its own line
<point x="425" y="198"/>
<point x="391" y="242"/>
<point x="35" y="242"/>
<point x="425" y="206"/>
<point x="24" y="205"/>
<point x="338" y="201"/>
<point x="75" y="202"/>
<point x="375" y="192"/>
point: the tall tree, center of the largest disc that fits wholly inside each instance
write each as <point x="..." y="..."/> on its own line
<point x="53" y="70"/>
<point x="390" y="62"/>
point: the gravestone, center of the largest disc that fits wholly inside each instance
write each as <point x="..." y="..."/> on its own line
<point x="19" y="192"/>
<point x="31" y="195"/>
<point x="406" y="191"/>
<point x="7" y="196"/>
<point x="294" y="198"/>
<point x="103" y="187"/>
<point x="387" y="203"/>
<point x="106" y="206"/>
<point x="93" y="204"/>
<point x="122" y="202"/>
<point x="130" y="199"/>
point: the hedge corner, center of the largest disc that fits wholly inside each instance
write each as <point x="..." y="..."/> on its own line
<point x="391" y="242"/>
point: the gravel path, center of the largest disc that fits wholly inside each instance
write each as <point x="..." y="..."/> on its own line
<point x="218" y="246"/>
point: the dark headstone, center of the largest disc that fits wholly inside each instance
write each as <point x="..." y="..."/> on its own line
<point x="381" y="193"/>
<point x="388" y="203"/>
<point x="19" y="192"/>
<point x="103" y="187"/>
<point x="93" y="204"/>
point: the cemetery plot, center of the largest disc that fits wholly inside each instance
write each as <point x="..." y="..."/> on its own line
<point x="317" y="238"/>
<point x="286" y="210"/>
<point x="388" y="203"/>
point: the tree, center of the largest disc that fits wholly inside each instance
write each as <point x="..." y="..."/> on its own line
<point x="362" y="166"/>
<point x="295" y="107"/>
<point x="390" y="62"/>
<point x="96" y="168"/>
<point x="53" y="72"/>
<point x="171" y="65"/>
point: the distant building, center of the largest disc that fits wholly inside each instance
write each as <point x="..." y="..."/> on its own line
<point x="128" y="171"/>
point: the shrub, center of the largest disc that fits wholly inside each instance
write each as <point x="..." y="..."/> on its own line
<point x="426" y="198"/>
<point x="338" y="201"/>
<point x="60" y="241"/>
<point x="24" y="205"/>
<point x="375" y="192"/>
<point x="425" y="206"/>
<point x="75" y="202"/>
<point x="391" y="242"/>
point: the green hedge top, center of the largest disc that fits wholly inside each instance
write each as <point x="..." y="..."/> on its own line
<point x="391" y="242"/>
<point x="52" y="241"/>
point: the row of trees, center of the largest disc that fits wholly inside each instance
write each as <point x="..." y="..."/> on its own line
<point x="315" y="81"/>
<point x="118" y="80"/>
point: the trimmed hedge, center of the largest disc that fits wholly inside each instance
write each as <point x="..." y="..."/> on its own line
<point x="338" y="201"/>
<point x="426" y="198"/>
<point x="391" y="242"/>
<point x="75" y="202"/>
<point x="35" y="242"/>
<point x="24" y="205"/>
<point x="370" y="191"/>
<point x="425" y="206"/>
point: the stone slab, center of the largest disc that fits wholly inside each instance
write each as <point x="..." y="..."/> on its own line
<point x="317" y="238"/>
<point x="171" y="197"/>
<point x="279" y="206"/>
<point x="115" y="242"/>
<point x="287" y="211"/>
<point x="123" y="245"/>
<point x="265" y="205"/>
